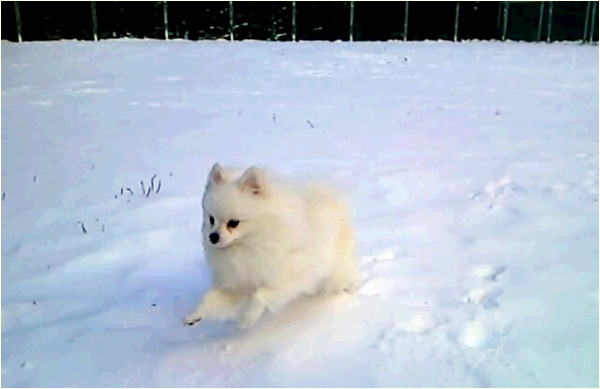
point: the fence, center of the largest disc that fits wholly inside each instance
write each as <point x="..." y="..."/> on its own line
<point x="292" y="21"/>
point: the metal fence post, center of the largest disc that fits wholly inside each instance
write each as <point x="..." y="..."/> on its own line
<point x="405" y="21"/>
<point x="351" y="21"/>
<point x="587" y="17"/>
<point x="166" y="20"/>
<point x="549" y="35"/>
<point x="540" y="21"/>
<point x="592" y="24"/>
<point x="94" y="21"/>
<point x="294" y="21"/>
<point x="505" y="25"/>
<point x="18" y="17"/>
<point x="273" y="21"/>
<point x="499" y="18"/>
<point x="456" y="21"/>
<point x="231" y="20"/>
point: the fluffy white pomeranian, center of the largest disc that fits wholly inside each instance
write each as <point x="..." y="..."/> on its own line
<point x="270" y="241"/>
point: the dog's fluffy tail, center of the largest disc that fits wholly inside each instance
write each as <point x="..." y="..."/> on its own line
<point x="345" y="274"/>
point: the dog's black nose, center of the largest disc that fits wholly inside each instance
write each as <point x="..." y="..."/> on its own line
<point x="214" y="238"/>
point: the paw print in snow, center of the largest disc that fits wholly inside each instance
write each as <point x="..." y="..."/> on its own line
<point x="494" y="192"/>
<point x="484" y="296"/>
<point x="487" y="271"/>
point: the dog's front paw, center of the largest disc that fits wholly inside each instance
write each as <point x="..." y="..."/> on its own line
<point x="190" y="320"/>
<point x="244" y="322"/>
<point x="248" y="318"/>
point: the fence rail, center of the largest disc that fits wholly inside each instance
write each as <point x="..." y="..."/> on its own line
<point x="306" y="20"/>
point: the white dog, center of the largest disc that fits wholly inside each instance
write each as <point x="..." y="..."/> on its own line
<point x="269" y="242"/>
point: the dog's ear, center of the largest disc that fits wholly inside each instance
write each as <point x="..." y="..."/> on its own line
<point x="216" y="176"/>
<point x="253" y="181"/>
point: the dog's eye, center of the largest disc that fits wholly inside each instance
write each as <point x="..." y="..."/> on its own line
<point x="233" y="223"/>
<point x="211" y="220"/>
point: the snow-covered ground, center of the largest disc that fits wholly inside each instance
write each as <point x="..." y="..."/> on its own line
<point x="472" y="169"/>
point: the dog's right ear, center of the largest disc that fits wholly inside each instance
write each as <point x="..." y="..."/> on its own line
<point x="252" y="181"/>
<point x="216" y="176"/>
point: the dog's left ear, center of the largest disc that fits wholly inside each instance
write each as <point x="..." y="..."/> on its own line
<point x="216" y="176"/>
<point x="253" y="181"/>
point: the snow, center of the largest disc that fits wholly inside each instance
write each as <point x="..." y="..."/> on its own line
<point x="472" y="169"/>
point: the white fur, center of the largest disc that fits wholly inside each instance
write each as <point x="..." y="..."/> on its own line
<point x="293" y="239"/>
